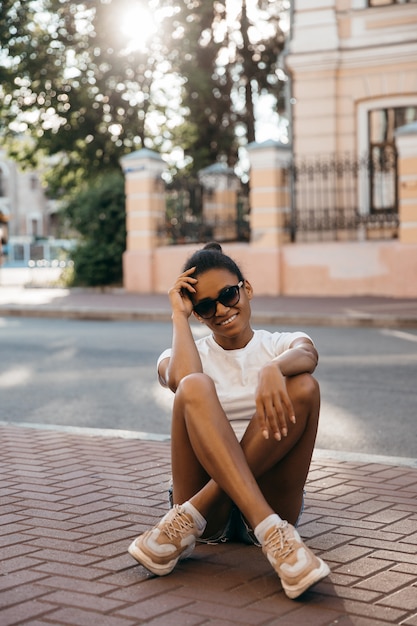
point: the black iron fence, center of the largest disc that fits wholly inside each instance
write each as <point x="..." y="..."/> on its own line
<point x="341" y="198"/>
<point x="336" y="198"/>
<point x="185" y="220"/>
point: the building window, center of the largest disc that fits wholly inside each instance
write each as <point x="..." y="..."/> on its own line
<point x="34" y="227"/>
<point x="383" y="3"/>
<point x="382" y="124"/>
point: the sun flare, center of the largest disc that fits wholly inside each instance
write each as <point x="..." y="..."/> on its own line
<point x="137" y="25"/>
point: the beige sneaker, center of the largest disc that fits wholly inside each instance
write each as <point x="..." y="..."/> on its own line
<point x="173" y="538"/>
<point x="295" y="564"/>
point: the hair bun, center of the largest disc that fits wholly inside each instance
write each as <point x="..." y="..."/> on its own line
<point x="211" y="257"/>
<point x="213" y="245"/>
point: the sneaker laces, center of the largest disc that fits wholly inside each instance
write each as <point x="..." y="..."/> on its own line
<point x="280" y="544"/>
<point x="179" y="524"/>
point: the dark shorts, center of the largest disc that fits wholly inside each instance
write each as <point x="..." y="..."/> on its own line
<point x="236" y="528"/>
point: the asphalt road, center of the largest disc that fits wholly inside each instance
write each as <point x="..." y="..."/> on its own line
<point x="102" y="375"/>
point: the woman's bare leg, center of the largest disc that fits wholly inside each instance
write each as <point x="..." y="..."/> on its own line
<point x="203" y="438"/>
<point x="190" y="477"/>
<point x="282" y="473"/>
<point x="280" y="467"/>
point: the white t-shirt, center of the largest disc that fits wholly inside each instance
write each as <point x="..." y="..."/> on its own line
<point x="235" y="372"/>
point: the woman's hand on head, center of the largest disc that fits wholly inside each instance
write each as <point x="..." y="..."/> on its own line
<point x="181" y="292"/>
<point x="274" y="410"/>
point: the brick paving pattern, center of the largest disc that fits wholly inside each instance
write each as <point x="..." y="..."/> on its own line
<point x="71" y="503"/>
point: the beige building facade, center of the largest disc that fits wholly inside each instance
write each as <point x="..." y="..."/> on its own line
<point x="353" y="65"/>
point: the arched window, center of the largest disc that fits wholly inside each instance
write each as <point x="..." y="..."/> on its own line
<point x="378" y="119"/>
<point x="382" y="124"/>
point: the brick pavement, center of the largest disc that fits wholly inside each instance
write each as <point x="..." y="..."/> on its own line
<point x="71" y="503"/>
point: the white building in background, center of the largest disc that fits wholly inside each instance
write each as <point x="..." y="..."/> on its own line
<point x="32" y="215"/>
<point x="30" y="228"/>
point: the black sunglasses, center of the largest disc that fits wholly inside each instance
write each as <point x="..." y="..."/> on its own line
<point x="229" y="296"/>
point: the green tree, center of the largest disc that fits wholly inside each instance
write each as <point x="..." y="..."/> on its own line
<point x="98" y="214"/>
<point x="72" y="82"/>
<point x="83" y="95"/>
<point x="229" y="57"/>
<point x="208" y="131"/>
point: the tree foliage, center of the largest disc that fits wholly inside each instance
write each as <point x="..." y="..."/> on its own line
<point x="86" y="95"/>
<point x="228" y="56"/>
<point x="78" y="92"/>
<point x="71" y="83"/>
<point x="98" y="214"/>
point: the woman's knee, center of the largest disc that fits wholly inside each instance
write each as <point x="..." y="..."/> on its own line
<point x="194" y="388"/>
<point x="304" y="388"/>
<point x="195" y="400"/>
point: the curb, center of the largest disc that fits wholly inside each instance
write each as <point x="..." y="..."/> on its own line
<point x="160" y="315"/>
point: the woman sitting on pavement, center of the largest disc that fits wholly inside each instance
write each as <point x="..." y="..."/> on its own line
<point x="244" y="423"/>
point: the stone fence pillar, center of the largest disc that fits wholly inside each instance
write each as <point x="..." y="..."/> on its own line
<point x="270" y="193"/>
<point x="220" y="188"/>
<point x="270" y="202"/>
<point x="406" y="142"/>
<point x="145" y="209"/>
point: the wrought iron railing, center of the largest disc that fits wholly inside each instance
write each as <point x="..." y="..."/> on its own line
<point x="332" y="198"/>
<point x="339" y="198"/>
<point x="185" y="220"/>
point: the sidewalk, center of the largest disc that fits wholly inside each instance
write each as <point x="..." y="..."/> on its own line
<point x="71" y="503"/>
<point x="116" y="304"/>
